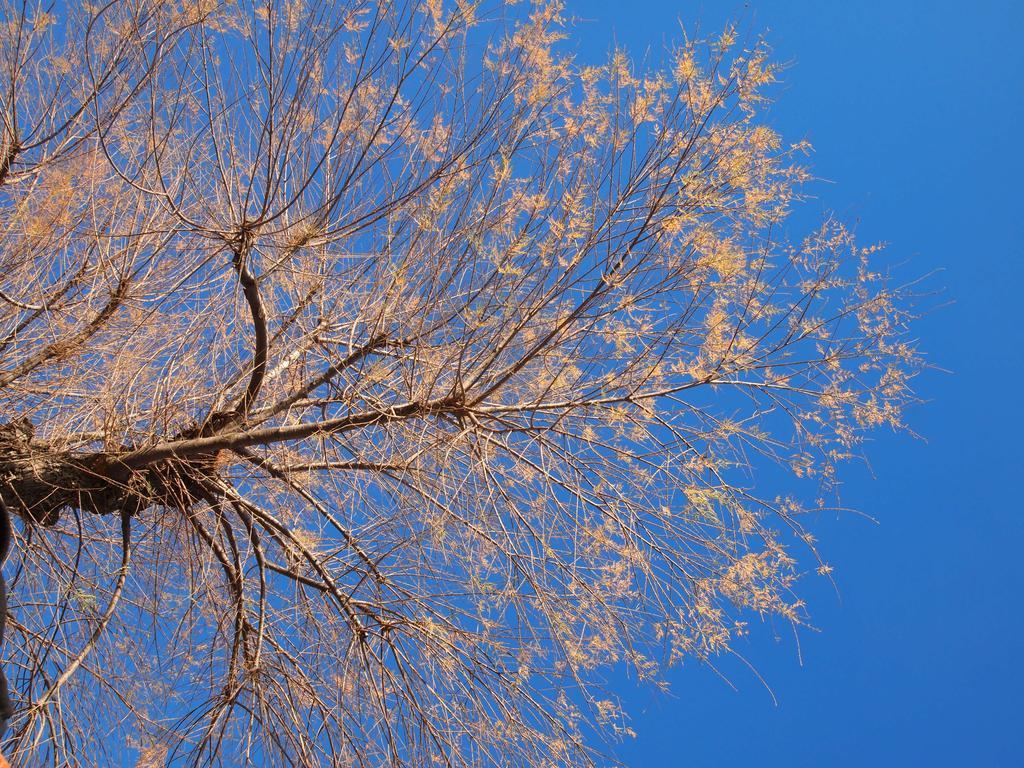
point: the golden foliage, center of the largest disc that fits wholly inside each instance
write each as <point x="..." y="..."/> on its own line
<point x="392" y="372"/>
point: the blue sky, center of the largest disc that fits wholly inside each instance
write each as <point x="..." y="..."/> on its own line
<point x="915" y="110"/>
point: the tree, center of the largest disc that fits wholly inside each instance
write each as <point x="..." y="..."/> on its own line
<point x="372" y="374"/>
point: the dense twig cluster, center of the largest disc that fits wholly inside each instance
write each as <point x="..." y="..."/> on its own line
<point x="372" y="373"/>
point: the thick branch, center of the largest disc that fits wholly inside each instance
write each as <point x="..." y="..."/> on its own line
<point x="204" y="446"/>
<point x="7" y="159"/>
<point x="251" y="290"/>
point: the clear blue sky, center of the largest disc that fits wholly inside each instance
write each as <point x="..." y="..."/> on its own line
<point x="916" y="112"/>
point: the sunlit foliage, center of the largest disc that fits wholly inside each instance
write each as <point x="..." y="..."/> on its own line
<point x="375" y="373"/>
